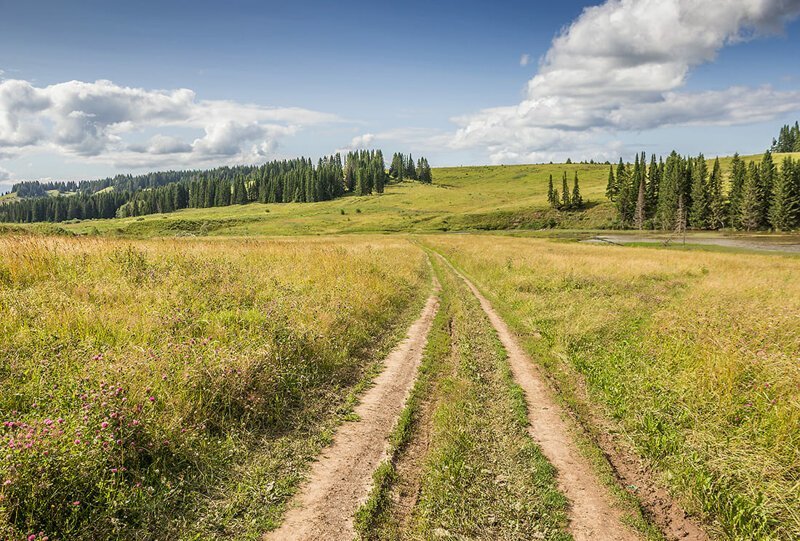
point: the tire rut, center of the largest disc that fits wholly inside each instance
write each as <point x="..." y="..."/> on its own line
<point x="342" y="477"/>
<point x="593" y="515"/>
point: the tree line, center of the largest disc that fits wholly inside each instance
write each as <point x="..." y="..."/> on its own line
<point x="788" y="140"/>
<point x="402" y="167"/>
<point x="681" y="192"/>
<point x="565" y="200"/>
<point x="297" y="180"/>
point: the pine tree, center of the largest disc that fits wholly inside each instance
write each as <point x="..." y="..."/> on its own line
<point x="767" y="174"/>
<point x="565" y="200"/>
<point x="576" y="200"/>
<point x="738" y="176"/>
<point x="784" y="205"/>
<point x="669" y="192"/>
<point x="624" y="196"/>
<point x="751" y="208"/>
<point x="698" y="214"/>
<point x="641" y="202"/>
<point x="551" y="193"/>
<point x="612" y="189"/>
<point x="411" y="171"/>
<point x="653" y="180"/>
<point x="716" y="200"/>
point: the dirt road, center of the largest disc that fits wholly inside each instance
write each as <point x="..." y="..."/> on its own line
<point x="341" y="480"/>
<point x="593" y="515"/>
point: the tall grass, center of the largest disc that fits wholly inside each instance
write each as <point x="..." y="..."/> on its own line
<point x="133" y="375"/>
<point x="695" y="356"/>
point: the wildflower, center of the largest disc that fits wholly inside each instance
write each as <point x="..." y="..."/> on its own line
<point x="104" y="424"/>
<point x="48" y="422"/>
<point x="113" y="470"/>
<point x="152" y="399"/>
<point x="76" y="503"/>
<point x="6" y="482"/>
<point x="32" y="537"/>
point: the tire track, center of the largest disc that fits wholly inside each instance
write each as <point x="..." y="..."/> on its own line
<point x="593" y="515"/>
<point x="342" y="477"/>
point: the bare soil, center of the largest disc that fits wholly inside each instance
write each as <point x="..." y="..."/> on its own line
<point x="342" y="477"/>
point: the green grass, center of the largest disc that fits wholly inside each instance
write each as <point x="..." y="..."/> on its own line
<point x="179" y="388"/>
<point x="692" y="355"/>
<point x="461" y="198"/>
<point x="777" y="158"/>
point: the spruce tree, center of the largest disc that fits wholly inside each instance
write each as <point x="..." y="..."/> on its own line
<point x="641" y="205"/>
<point x="784" y="205"/>
<point x="565" y="200"/>
<point x="698" y="214"/>
<point x="669" y="192"/>
<point x="767" y="174"/>
<point x="738" y="175"/>
<point x="716" y="200"/>
<point x="576" y="199"/>
<point x="653" y="178"/>
<point x="751" y="207"/>
<point x="611" y="186"/>
<point x="551" y="192"/>
<point x="624" y="196"/>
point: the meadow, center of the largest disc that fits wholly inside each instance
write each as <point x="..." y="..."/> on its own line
<point x="691" y="356"/>
<point x="178" y="388"/>
<point x="461" y="198"/>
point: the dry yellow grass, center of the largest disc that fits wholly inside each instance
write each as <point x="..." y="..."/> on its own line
<point x="135" y="375"/>
<point x="696" y="356"/>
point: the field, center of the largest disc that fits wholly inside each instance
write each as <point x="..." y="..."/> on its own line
<point x="157" y="387"/>
<point x="487" y="198"/>
<point x="693" y="356"/>
<point x="187" y="375"/>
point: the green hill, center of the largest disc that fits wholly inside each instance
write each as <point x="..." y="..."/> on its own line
<point x="461" y="198"/>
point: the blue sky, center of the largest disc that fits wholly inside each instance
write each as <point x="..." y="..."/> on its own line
<point x="277" y="79"/>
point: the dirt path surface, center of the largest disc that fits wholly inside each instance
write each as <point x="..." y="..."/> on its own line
<point x="342" y="477"/>
<point x="592" y="513"/>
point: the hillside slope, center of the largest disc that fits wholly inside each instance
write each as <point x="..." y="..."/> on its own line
<point x="461" y="198"/>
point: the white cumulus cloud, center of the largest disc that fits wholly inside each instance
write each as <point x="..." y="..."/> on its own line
<point x="94" y="121"/>
<point x="621" y="66"/>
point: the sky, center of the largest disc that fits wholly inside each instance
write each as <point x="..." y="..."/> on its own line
<point x="102" y="88"/>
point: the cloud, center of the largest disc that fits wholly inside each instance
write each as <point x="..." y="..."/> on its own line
<point x="359" y="142"/>
<point x="524" y="60"/>
<point x="621" y="66"/>
<point x="5" y="174"/>
<point x="94" y="121"/>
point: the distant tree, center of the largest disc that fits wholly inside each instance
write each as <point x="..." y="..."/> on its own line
<point x="785" y="202"/>
<point x="698" y="214"/>
<point x="624" y="196"/>
<point x="738" y="175"/>
<point x="767" y="174"/>
<point x="551" y="199"/>
<point x="653" y="180"/>
<point x="612" y="189"/>
<point x="565" y="200"/>
<point x="670" y="192"/>
<point x="751" y="208"/>
<point x="411" y="171"/>
<point x="641" y="205"/>
<point x="716" y="199"/>
<point x="576" y="199"/>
